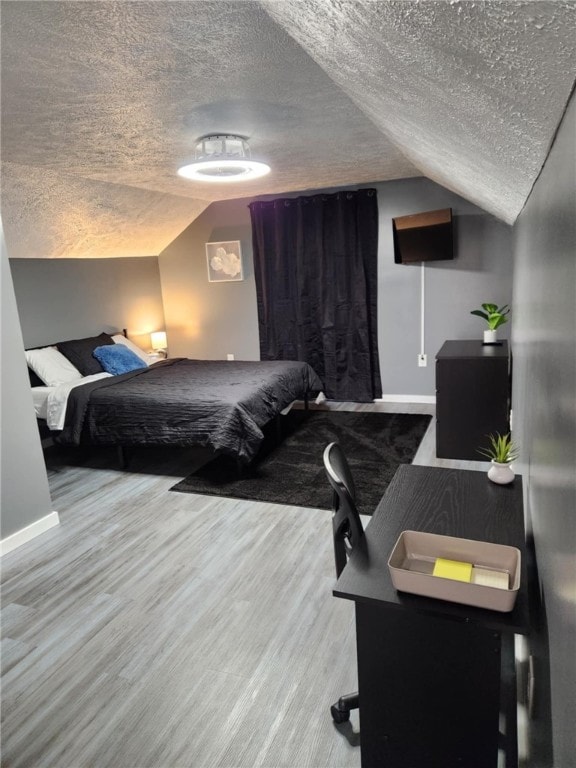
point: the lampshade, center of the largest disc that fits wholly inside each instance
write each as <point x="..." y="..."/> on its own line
<point x="223" y="158"/>
<point x="158" y="340"/>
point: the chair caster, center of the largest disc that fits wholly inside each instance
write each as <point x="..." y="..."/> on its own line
<point x="339" y="715"/>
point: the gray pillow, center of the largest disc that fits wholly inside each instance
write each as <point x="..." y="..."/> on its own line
<point x="79" y="352"/>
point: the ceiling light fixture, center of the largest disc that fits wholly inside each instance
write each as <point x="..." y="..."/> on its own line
<point x="223" y="158"/>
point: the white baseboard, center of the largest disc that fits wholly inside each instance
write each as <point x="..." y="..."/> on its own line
<point x="28" y="533"/>
<point x="431" y="399"/>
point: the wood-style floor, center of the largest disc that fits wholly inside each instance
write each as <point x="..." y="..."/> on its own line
<point x="158" y="630"/>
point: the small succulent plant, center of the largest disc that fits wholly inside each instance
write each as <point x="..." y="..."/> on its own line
<point x="494" y="315"/>
<point x="500" y="448"/>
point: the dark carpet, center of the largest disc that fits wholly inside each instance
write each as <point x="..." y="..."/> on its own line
<point x="292" y="472"/>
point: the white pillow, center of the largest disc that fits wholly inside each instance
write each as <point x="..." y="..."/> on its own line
<point x="120" y="339"/>
<point x="51" y="366"/>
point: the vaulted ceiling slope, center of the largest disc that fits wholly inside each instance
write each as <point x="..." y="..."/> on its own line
<point x="103" y="101"/>
<point x="471" y="92"/>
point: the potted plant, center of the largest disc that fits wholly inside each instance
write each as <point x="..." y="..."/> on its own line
<point x="501" y="451"/>
<point x="495" y="316"/>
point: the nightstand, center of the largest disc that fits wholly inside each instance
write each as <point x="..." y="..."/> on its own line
<point x="472" y="397"/>
<point x="154" y="357"/>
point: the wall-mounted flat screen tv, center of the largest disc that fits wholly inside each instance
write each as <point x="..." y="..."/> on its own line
<point x="423" y="237"/>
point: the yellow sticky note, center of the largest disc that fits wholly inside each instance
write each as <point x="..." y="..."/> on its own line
<point x="452" y="569"/>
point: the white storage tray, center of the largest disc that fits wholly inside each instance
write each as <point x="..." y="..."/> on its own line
<point x="412" y="561"/>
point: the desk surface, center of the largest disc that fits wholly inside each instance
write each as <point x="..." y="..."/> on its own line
<point x="451" y="502"/>
<point x="471" y="349"/>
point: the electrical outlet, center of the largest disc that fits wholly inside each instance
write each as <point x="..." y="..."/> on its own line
<point x="422" y="361"/>
<point x="229" y="356"/>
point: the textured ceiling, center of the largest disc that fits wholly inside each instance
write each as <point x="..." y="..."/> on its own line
<point x="471" y="92"/>
<point x="103" y="101"/>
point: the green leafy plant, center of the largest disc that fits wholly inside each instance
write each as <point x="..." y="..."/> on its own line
<point x="501" y="448"/>
<point x="494" y="315"/>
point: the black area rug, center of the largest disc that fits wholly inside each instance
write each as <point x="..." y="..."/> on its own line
<point x="292" y="472"/>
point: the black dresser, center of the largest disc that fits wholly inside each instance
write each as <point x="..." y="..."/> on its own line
<point x="472" y="397"/>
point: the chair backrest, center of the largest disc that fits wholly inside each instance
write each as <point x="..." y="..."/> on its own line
<point x="346" y="523"/>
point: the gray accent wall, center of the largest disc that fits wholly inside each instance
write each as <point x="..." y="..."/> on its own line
<point x="25" y="497"/>
<point x="544" y="401"/>
<point x="480" y="272"/>
<point x="60" y="299"/>
<point x="209" y="320"/>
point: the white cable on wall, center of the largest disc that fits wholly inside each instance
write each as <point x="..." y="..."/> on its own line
<point x="422" y="307"/>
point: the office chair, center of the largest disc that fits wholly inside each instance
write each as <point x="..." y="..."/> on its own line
<point x="347" y="534"/>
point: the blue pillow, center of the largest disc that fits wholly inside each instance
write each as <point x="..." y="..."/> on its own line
<point x="117" y="358"/>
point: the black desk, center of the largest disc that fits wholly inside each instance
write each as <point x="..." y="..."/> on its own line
<point x="429" y="671"/>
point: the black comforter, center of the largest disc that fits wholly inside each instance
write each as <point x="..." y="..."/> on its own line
<point x="217" y="404"/>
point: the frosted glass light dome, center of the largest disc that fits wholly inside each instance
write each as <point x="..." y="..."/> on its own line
<point x="223" y="158"/>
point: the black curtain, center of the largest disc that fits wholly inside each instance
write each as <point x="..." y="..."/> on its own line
<point x="315" y="262"/>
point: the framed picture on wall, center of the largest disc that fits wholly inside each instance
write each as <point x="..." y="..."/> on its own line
<point x="224" y="261"/>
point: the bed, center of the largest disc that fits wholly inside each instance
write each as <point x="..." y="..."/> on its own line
<point x="219" y="405"/>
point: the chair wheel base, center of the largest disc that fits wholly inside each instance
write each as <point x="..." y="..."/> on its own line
<point x="339" y="715"/>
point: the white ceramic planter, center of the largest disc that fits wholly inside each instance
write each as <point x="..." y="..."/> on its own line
<point x="490" y="337"/>
<point x="500" y="473"/>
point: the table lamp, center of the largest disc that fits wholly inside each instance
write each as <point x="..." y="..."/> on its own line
<point x="159" y="342"/>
